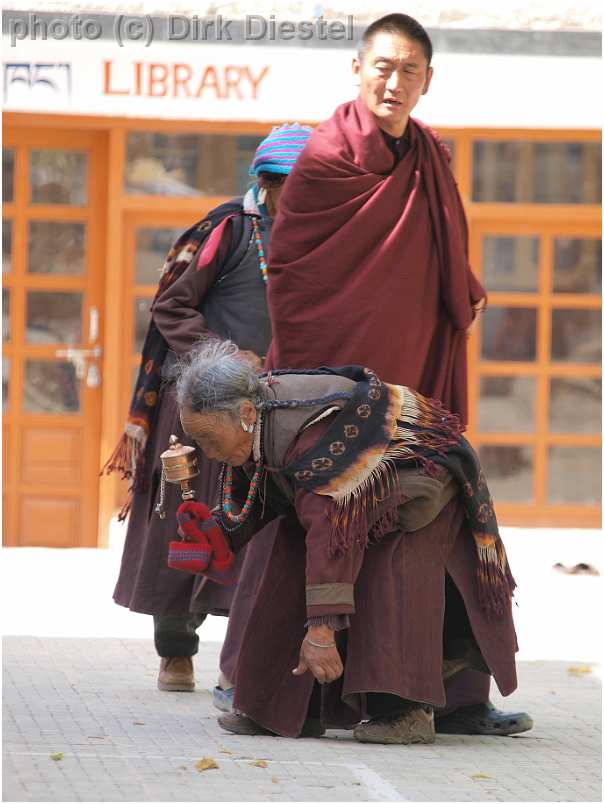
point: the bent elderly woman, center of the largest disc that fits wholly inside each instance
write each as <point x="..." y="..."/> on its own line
<point x="387" y="574"/>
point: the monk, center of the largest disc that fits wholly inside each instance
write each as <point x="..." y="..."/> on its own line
<point x="369" y="265"/>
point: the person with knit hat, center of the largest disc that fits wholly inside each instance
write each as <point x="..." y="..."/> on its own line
<point x="213" y="285"/>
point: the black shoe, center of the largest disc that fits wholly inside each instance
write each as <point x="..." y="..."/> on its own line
<point x="483" y="719"/>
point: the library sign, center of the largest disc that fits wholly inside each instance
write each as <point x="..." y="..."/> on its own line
<point x="172" y="81"/>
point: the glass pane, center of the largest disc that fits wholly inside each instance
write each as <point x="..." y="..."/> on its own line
<point x="575" y="405"/>
<point x="59" y="177"/>
<point x="575" y="475"/>
<point x="511" y="263"/>
<point x="507" y="405"/>
<point x="51" y="387"/>
<point x="54" y="317"/>
<point x="7" y="246"/>
<point x="141" y="322"/>
<point x="537" y="172"/>
<point x="509" y="473"/>
<point x="577" y="336"/>
<point x="509" y="333"/>
<point x="152" y="246"/>
<point x="8" y="175"/>
<point x="5" y="314"/>
<point x="577" y="265"/>
<point x="188" y="164"/>
<point x="56" y="248"/>
<point x="5" y="383"/>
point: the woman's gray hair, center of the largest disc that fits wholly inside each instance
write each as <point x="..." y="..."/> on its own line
<point x="214" y="376"/>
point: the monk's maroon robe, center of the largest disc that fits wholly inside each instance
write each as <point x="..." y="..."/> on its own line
<point x="368" y="260"/>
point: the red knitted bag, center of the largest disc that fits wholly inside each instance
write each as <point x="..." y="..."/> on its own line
<point x="204" y="545"/>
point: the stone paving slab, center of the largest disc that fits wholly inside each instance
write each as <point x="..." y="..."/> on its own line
<point x="95" y="702"/>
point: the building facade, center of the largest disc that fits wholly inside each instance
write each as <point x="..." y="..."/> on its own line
<point x="111" y="148"/>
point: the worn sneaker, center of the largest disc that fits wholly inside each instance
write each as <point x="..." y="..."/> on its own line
<point x="414" y="726"/>
<point x="176" y="674"/>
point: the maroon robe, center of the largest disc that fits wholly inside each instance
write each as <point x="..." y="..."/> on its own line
<point x="368" y="260"/>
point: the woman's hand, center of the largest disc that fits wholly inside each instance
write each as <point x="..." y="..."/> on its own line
<point x="324" y="663"/>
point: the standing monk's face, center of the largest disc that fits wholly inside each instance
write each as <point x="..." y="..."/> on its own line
<point x="393" y="75"/>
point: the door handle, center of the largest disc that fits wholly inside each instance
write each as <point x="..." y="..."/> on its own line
<point x="73" y="354"/>
<point x="78" y="358"/>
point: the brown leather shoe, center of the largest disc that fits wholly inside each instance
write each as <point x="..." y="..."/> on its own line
<point x="414" y="726"/>
<point x="176" y="674"/>
<point x="238" y="723"/>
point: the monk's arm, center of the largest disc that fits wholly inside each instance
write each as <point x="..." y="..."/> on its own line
<point x="176" y="310"/>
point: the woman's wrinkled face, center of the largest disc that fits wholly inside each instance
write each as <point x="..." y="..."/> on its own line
<point x="219" y="436"/>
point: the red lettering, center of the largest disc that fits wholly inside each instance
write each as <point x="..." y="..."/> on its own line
<point x="138" y="72"/>
<point x="209" y="80"/>
<point x="181" y="81"/>
<point x="107" y="90"/>
<point x="256" y="81"/>
<point x="154" y="79"/>
<point x="233" y="83"/>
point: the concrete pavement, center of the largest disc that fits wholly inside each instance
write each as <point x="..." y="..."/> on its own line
<point x="80" y="687"/>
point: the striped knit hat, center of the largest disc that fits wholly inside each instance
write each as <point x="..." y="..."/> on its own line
<point x="278" y="152"/>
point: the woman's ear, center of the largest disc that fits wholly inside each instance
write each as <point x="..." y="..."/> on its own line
<point x="247" y="412"/>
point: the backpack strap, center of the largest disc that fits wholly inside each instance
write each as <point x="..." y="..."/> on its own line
<point x="240" y="240"/>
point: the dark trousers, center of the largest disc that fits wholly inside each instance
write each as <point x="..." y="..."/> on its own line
<point x="176" y="636"/>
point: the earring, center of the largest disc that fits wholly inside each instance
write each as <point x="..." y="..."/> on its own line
<point x="247" y="428"/>
<point x="262" y="195"/>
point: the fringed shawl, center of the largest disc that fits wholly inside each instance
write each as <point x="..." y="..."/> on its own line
<point x="382" y="427"/>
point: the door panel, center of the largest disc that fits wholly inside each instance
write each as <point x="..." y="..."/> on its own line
<point x="53" y="279"/>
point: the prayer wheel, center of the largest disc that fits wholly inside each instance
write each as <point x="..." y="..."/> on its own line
<point x="179" y="465"/>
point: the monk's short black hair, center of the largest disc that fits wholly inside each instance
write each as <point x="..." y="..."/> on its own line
<point x="397" y="24"/>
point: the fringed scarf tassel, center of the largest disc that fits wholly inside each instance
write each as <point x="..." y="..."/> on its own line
<point x="368" y="513"/>
<point x="128" y="459"/>
<point x="495" y="581"/>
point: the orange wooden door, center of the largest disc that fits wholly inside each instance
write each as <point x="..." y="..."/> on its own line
<point x="53" y="207"/>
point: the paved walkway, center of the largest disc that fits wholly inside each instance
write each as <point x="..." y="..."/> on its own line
<point x="80" y="688"/>
<point x="93" y="705"/>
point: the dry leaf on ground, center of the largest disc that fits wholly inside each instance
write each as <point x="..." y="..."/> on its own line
<point x="225" y="751"/>
<point x="275" y="779"/>
<point x="259" y="763"/>
<point x="476" y="776"/>
<point x="206" y="763"/>
<point x="139" y="722"/>
<point x="57" y="757"/>
<point x="580" y="670"/>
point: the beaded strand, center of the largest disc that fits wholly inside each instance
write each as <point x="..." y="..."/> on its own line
<point x="225" y="485"/>
<point x="260" y="248"/>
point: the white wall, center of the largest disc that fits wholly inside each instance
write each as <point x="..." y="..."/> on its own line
<point x="105" y="79"/>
